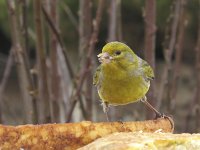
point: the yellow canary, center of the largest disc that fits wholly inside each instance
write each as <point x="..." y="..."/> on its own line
<point x="122" y="77"/>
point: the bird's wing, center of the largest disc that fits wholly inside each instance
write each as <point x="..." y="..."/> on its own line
<point x="147" y="70"/>
<point x="96" y="75"/>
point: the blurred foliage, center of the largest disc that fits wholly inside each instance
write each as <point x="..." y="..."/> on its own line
<point x="132" y="25"/>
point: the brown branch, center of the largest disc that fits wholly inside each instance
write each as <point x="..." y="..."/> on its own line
<point x="150" y="34"/>
<point x="194" y="108"/>
<point x="25" y="26"/>
<point x="168" y="53"/>
<point x="4" y="79"/>
<point x="85" y="31"/>
<point x="60" y="41"/>
<point x="77" y="94"/>
<point x="195" y="102"/>
<point x="22" y="70"/>
<point x="197" y="94"/>
<point x="119" y="21"/>
<point x="178" y="56"/>
<point x="54" y="76"/>
<point x="43" y="104"/>
<point x="87" y="65"/>
<point x="25" y="39"/>
<point x="112" y="26"/>
<point x="85" y="27"/>
<point x="73" y="135"/>
<point x="56" y="32"/>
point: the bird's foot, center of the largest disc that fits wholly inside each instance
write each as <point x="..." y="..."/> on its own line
<point x="162" y="115"/>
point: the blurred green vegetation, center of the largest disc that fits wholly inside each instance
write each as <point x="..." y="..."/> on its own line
<point x="132" y="25"/>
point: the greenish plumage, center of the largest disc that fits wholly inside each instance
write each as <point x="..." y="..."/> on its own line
<point x="122" y="77"/>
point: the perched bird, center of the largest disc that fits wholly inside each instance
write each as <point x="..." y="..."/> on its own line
<point x="122" y="77"/>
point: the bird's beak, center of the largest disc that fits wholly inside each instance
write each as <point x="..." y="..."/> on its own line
<point x="104" y="57"/>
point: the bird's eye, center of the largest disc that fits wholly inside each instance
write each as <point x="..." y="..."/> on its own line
<point x="118" y="52"/>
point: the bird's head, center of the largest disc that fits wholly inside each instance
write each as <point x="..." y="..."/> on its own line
<point x="116" y="53"/>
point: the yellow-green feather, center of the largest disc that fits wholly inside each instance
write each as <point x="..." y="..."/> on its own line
<point x="96" y="76"/>
<point x="147" y="69"/>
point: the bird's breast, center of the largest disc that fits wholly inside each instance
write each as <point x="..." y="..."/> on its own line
<point x="121" y="87"/>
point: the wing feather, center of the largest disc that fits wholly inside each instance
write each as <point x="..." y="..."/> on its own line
<point x="96" y="76"/>
<point x="146" y="69"/>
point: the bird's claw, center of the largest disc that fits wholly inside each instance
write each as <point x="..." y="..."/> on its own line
<point x="160" y="115"/>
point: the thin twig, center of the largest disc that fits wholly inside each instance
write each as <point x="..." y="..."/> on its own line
<point x="24" y="29"/>
<point x="150" y="35"/>
<point x="60" y="41"/>
<point x="43" y="103"/>
<point x="54" y="86"/>
<point x="112" y="27"/>
<point x="87" y="66"/>
<point x="25" y="26"/>
<point x="22" y="71"/>
<point x="77" y="94"/>
<point x="85" y="31"/>
<point x="119" y="21"/>
<point x="168" y="53"/>
<point x="5" y="77"/>
<point x="56" y="32"/>
<point x="170" y="50"/>
<point x="178" y="56"/>
<point x="194" y="109"/>
<point x="197" y="94"/>
<point x="115" y="22"/>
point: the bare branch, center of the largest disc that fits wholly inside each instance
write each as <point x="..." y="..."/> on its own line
<point x="150" y="34"/>
<point x="87" y="65"/>
<point x="25" y="26"/>
<point x="54" y="76"/>
<point x="178" y="56"/>
<point x="112" y="35"/>
<point x="115" y="24"/>
<point x="22" y="70"/>
<point x="168" y="52"/>
<point x="43" y="104"/>
<point x="85" y="31"/>
<point x="4" y="80"/>
<point x="25" y="39"/>
<point x="56" y="32"/>
<point x="85" y="26"/>
<point x="58" y="37"/>
<point x="197" y="95"/>
<point x="194" y="109"/>
<point x="119" y="21"/>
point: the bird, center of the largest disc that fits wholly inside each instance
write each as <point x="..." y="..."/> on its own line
<point x="122" y="77"/>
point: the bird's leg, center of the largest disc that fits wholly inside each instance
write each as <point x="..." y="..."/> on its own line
<point x="158" y="114"/>
<point x="105" y="110"/>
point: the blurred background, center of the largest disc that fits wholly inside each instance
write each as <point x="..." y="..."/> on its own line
<point x="48" y="54"/>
